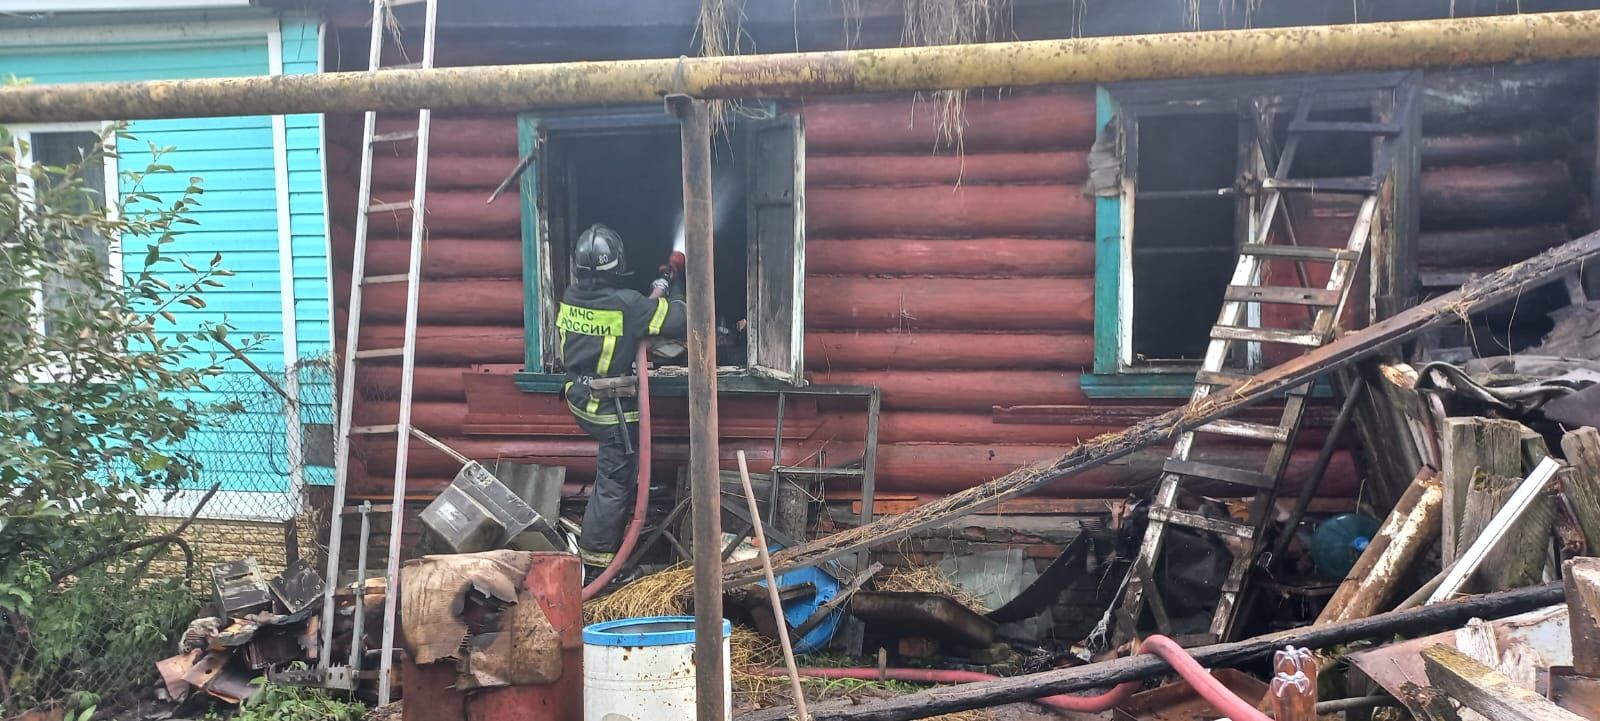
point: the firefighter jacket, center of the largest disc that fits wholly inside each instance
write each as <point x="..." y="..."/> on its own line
<point x="601" y="328"/>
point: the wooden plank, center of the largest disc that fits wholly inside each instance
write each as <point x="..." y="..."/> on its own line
<point x="1486" y="691"/>
<point x="1282" y="294"/>
<point x="1237" y="476"/>
<point x="1502" y="285"/>
<point x="1408" y="532"/>
<point x="1582" y="486"/>
<point x="1582" y="579"/>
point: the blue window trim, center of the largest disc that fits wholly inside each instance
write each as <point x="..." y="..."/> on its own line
<point x="1107" y="380"/>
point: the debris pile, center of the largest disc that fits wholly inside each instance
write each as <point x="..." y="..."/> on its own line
<point x="263" y="625"/>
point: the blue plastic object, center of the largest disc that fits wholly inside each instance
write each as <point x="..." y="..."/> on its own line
<point x="646" y="631"/>
<point x="797" y="611"/>
<point x="1339" y="541"/>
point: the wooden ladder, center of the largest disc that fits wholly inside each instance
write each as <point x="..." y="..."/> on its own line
<point x="354" y="356"/>
<point x="1235" y="343"/>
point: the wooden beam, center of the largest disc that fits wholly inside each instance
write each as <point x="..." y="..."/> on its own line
<point x="1404" y="536"/>
<point x="1486" y="691"/>
<point x="1501" y="285"/>
<point x="1582" y="578"/>
<point x="1495" y="533"/>
<point x="1581" y="487"/>
<point x="1474" y="448"/>
<point x="986" y="694"/>
<point x="1259" y="51"/>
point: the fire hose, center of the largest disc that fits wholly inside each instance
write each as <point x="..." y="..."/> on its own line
<point x="1209" y="688"/>
<point x="641" y="492"/>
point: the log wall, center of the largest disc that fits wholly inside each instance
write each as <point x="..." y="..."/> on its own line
<point x="956" y="283"/>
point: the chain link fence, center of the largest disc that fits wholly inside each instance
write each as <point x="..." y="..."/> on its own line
<point x="94" y="638"/>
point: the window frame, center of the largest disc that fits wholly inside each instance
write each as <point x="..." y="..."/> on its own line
<point x="541" y="352"/>
<point x="1112" y="375"/>
<point x="22" y="144"/>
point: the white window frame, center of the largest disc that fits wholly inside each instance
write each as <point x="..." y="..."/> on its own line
<point x="22" y="144"/>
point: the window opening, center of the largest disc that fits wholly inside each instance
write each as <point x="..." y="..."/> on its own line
<point x="1185" y="229"/>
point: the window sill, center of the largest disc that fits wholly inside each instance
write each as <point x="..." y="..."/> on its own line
<point x="673" y="383"/>
<point x="1137" y="385"/>
<point x="1176" y="386"/>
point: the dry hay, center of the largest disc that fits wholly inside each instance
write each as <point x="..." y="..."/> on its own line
<point x="929" y="579"/>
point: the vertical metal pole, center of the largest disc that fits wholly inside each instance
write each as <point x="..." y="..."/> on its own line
<point x="705" y="484"/>
<point x="358" y="617"/>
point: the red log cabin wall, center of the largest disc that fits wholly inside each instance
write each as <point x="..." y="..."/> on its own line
<point x="954" y="282"/>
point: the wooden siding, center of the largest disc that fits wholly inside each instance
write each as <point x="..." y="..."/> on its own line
<point x="237" y="216"/>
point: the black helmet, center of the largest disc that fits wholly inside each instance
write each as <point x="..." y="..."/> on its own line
<point x="600" y="252"/>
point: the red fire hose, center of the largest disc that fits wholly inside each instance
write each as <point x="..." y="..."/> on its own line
<point x="641" y="493"/>
<point x="1203" y="682"/>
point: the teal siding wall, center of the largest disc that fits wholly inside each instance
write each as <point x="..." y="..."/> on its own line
<point x="238" y="216"/>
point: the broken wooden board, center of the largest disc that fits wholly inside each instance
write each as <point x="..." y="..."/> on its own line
<point x="1495" y="287"/>
<point x="1486" y="691"/>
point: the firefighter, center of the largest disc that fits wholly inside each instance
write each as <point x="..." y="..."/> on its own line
<point x="601" y="325"/>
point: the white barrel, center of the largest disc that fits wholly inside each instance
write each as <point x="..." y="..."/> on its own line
<point x="642" y="669"/>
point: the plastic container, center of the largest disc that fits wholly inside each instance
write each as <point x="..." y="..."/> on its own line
<point x="642" y="669"/>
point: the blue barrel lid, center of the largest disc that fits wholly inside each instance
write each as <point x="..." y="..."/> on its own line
<point x="646" y="631"/>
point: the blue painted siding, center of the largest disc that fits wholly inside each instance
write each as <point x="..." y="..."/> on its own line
<point x="238" y="216"/>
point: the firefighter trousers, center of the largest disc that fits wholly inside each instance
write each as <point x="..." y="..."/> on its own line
<point x="615" y="478"/>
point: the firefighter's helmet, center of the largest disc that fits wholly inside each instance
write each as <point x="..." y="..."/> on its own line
<point x="599" y="252"/>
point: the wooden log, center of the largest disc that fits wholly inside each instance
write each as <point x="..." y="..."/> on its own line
<point x="950" y="256"/>
<point x="987" y="694"/>
<point x="479" y="301"/>
<point x="1536" y="142"/>
<point x="949" y="427"/>
<point x="1499" y="96"/>
<point x="901" y="350"/>
<point x="1485" y="247"/>
<point x="1409" y="530"/>
<point x="1347" y="349"/>
<point x="962" y="390"/>
<point x="429" y="383"/>
<point x="1317" y="416"/>
<point x="1474" y="447"/>
<point x="1582" y="485"/>
<point x="474" y="173"/>
<point x="1497" y="195"/>
<point x="964" y="211"/>
<point x="451" y="213"/>
<point x="988" y="304"/>
<point x="1487" y="691"/>
<point x="491" y="135"/>
<point x="442" y="259"/>
<point x="858" y="171"/>
<point x="1582" y="579"/>
<point x="454" y="344"/>
<point x="904" y="123"/>
<point x="438" y="418"/>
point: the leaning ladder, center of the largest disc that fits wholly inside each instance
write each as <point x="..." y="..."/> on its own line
<point x="1234" y="341"/>
<point x="355" y="356"/>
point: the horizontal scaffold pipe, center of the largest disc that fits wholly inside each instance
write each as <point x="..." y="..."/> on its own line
<point x="1331" y="48"/>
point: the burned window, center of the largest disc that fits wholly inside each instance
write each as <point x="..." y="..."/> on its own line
<point x="1185" y="228"/>
<point x="624" y="170"/>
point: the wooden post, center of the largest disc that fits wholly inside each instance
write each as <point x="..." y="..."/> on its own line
<point x="1408" y="531"/>
<point x="705" y="479"/>
<point x="1582" y="485"/>
<point x="1486" y="691"/>
<point x="1582" y="578"/>
<point x="1474" y="447"/>
<point x="1495" y="533"/>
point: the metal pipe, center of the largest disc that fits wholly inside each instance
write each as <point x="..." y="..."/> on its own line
<point x="1257" y="51"/>
<point x="705" y="481"/>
